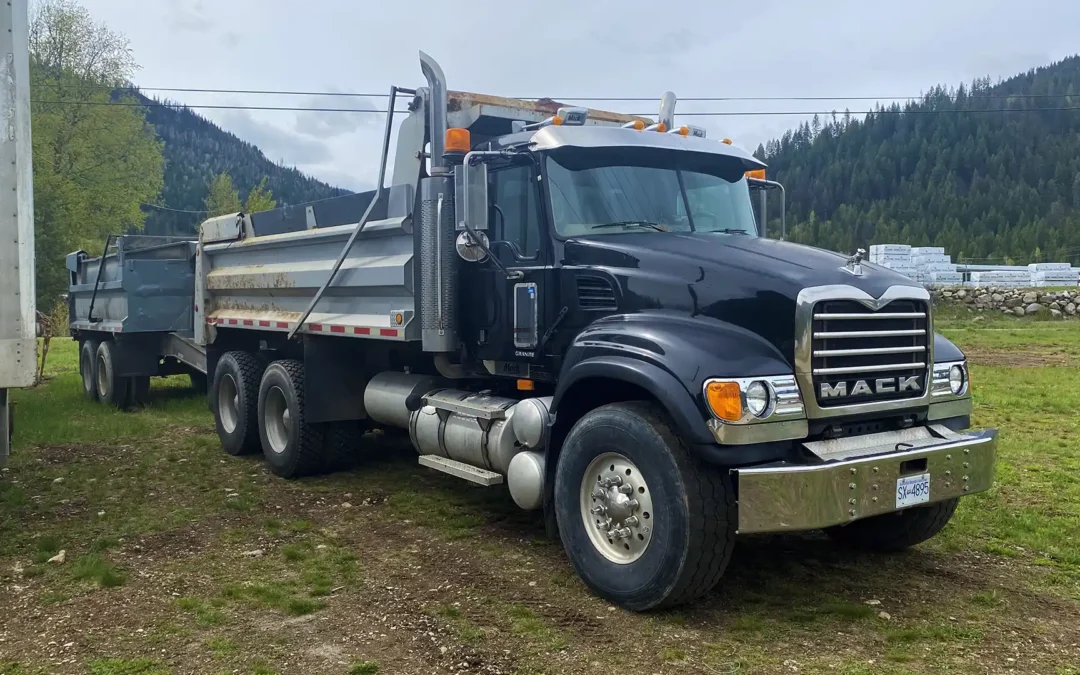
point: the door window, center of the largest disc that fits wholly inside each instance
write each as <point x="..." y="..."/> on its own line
<point x="516" y="219"/>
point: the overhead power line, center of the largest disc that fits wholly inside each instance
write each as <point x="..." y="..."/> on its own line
<point x="275" y="92"/>
<point x="718" y="113"/>
<point x="166" y="208"/>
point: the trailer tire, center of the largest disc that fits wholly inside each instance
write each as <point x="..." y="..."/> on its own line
<point x="892" y="532"/>
<point x="139" y="390"/>
<point x="681" y="544"/>
<point x="237" y="423"/>
<point x="292" y="447"/>
<point x="111" y="389"/>
<point x="87" y="368"/>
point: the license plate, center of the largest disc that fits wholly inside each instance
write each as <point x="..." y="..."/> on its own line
<point x="912" y="490"/>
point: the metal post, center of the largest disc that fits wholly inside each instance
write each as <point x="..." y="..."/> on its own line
<point x="764" y="212"/>
<point x="18" y="325"/>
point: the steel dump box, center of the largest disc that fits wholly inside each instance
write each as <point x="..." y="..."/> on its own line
<point x="146" y="284"/>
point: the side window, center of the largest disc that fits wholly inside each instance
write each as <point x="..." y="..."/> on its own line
<point x="516" y="220"/>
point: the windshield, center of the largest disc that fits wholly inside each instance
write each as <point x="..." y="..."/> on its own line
<point x="661" y="193"/>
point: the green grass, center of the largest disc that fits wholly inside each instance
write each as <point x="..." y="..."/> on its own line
<point x="127" y="667"/>
<point x="1008" y="563"/>
<point x="364" y="668"/>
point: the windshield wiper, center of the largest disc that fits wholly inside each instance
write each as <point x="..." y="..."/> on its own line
<point x="732" y="230"/>
<point x="633" y="223"/>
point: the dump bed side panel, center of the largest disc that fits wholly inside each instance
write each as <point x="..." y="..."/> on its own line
<point x="147" y="284"/>
<point x="267" y="282"/>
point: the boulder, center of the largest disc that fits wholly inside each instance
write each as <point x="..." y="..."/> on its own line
<point x="1013" y="302"/>
<point x="1056" y="313"/>
<point x="1018" y="311"/>
<point x="1070" y="309"/>
<point x="1033" y="308"/>
<point x="1055" y="305"/>
<point x="997" y="297"/>
<point x="1029" y="298"/>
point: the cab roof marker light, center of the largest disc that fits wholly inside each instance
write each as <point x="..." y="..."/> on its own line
<point x="570" y="116"/>
<point x="636" y="125"/>
<point x="659" y="126"/>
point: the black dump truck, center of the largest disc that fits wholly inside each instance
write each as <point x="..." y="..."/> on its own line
<point x="580" y="305"/>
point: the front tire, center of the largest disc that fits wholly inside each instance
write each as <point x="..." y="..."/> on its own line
<point x="670" y="554"/>
<point x="111" y="389"/>
<point x="235" y="401"/>
<point x="292" y="447"/>
<point x="891" y="532"/>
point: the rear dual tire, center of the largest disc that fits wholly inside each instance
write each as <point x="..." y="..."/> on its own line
<point x="259" y="406"/>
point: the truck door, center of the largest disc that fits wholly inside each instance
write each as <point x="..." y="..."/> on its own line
<point x="504" y="317"/>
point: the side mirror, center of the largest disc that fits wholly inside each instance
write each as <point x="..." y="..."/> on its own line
<point x="471" y="184"/>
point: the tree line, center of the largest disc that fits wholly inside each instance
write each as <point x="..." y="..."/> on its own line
<point x="989" y="171"/>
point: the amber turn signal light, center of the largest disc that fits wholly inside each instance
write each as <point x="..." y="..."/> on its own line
<point x="725" y="400"/>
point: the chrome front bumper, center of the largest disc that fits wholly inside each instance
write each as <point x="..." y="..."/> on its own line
<point x="858" y="477"/>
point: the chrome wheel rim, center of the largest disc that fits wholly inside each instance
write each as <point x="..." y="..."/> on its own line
<point x="228" y="403"/>
<point x="102" y="375"/>
<point x="616" y="508"/>
<point x="277" y="420"/>
<point x="86" y="370"/>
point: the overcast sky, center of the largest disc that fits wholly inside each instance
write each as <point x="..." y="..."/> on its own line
<point x="878" y="48"/>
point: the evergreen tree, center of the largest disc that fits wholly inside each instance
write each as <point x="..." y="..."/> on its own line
<point x="222" y="198"/>
<point x="260" y="199"/>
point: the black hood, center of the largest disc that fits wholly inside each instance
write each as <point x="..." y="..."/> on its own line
<point x="747" y="281"/>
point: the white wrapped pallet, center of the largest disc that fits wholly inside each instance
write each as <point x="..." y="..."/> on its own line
<point x="939" y="267"/>
<point x="890" y="248"/>
<point x="1047" y="267"/>
<point x="920" y="250"/>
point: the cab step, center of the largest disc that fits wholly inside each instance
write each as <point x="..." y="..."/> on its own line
<point x="461" y="470"/>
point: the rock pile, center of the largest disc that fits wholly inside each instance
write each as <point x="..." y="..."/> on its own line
<point x="1014" y="301"/>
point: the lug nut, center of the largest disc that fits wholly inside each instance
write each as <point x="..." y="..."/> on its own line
<point x="599" y="494"/>
<point x="614" y="480"/>
<point x="598" y="510"/>
<point x="633" y="504"/>
<point x="622" y="533"/>
<point x="631" y="521"/>
<point x="626" y="489"/>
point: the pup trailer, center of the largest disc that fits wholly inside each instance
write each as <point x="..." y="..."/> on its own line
<point x="579" y="305"/>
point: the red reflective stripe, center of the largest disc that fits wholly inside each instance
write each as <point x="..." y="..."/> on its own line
<point x="232" y="322"/>
<point x="282" y="324"/>
<point x="337" y="329"/>
<point x="388" y="332"/>
<point x="264" y="324"/>
<point x="315" y="326"/>
<point x="361" y="331"/>
<point x="249" y="322"/>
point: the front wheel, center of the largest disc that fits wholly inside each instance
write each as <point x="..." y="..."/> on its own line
<point x="895" y="531"/>
<point x="644" y="523"/>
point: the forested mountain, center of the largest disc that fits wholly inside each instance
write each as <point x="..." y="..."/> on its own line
<point x="989" y="171"/>
<point x="196" y="150"/>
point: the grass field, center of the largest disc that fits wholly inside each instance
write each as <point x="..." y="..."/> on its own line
<point x="181" y="559"/>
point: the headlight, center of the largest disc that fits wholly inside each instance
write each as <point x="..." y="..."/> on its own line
<point x="950" y="379"/>
<point x="758" y="398"/>
<point x="754" y="399"/>
<point x="956" y="379"/>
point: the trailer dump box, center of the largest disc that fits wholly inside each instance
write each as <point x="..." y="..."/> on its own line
<point x="143" y="284"/>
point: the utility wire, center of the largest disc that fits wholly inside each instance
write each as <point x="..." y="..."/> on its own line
<point x="274" y="92"/>
<point x="725" y="113"/>
<point x="166" y="208"/>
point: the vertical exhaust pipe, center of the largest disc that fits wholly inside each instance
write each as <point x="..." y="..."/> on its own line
<point x="438" y="260"/>
<point x="437" y="113"/>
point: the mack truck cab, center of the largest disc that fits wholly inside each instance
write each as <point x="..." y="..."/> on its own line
<point x="580" y="305"/>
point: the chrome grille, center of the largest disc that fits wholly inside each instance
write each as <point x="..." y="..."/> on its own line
<point x="853" y="344"/>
